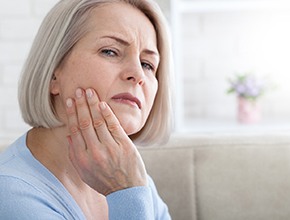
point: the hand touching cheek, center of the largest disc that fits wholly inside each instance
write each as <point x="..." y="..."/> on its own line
<point x="100" y="150"/>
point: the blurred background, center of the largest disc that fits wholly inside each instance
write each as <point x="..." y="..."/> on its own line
<point x="213" y="40"/>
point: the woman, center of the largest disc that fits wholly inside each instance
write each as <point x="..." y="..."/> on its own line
<point x="95" y="84"/>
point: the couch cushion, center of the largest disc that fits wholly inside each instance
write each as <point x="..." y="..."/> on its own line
<point x="173" y="174"/>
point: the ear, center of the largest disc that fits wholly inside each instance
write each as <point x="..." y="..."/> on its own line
<point x="54" y="84"/>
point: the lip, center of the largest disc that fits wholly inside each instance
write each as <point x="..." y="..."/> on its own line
<point x="127" y="98"/>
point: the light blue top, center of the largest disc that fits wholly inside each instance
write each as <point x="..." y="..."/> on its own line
<point x="29" y="191"/>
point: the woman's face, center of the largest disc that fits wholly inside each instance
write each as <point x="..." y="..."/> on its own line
<point x="118" y="57"/>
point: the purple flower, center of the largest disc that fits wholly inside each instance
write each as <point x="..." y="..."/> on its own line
<point x="247" y="86"/>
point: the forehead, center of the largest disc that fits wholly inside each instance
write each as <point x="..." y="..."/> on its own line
<point x="122" y="18"/>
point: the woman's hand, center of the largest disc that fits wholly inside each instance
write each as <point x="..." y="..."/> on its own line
<point x="100" y="150"/>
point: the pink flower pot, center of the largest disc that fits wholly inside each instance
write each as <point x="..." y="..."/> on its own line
<point x="248" y="111"/>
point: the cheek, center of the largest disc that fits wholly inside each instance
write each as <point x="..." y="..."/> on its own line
<point x="74" y="78"/>
<point x="68" y="87"/>
<point x="92" y="75"/>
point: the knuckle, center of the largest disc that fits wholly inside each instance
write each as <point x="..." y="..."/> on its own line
<point x="74" y="130"/>
<point x="108" y="117"/>
<point x="85" y="124"/>
<point x="114" y="128"/>
<point x="98" y="123"/>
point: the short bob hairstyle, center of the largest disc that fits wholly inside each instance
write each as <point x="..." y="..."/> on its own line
<point x="61" y="29"/>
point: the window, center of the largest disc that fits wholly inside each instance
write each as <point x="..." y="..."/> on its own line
<point x="213" y="40"/>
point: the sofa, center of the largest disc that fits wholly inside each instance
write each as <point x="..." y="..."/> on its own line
<point x="223" y="177"/>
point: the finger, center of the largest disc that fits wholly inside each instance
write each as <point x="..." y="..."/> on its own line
<point x="99" y="122"/>
<point x="79" y="160"/>
<point x="73" y="128"/>
<point x="113" y="123"/>
<point x="71" y="152"/>
<point x="84" y="119"/>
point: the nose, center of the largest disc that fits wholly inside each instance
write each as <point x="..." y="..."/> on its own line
<point x="133" y="72"/>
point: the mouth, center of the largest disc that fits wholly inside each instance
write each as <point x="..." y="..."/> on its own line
<point x="127" y="98"/>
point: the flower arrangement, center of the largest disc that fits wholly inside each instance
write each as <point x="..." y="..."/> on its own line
<point x="247" y="86"/>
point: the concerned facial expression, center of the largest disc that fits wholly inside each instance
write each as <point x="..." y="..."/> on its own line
<point x="118" y="57"/>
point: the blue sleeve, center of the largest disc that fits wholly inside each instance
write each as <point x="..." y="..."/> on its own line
<point x="21" y="201"/>
<point x="160" y="208"/>
<point x="137" y="203"/>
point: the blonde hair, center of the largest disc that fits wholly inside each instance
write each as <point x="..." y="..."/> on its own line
<point x="61" y="29"/>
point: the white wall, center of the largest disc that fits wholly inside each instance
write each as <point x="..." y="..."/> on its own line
<point x="19" y="21"/>
<point x="214" y="45"/>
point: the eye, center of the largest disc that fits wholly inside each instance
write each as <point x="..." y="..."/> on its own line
<point x="148" y="66"/>
<point x="109" y="52"/>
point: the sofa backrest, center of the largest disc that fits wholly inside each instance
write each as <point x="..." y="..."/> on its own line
<point x="173" y="173"/>
<point x="214" y="177"/>
<point x="223" y="178"/>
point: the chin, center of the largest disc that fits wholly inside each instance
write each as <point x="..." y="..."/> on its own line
<point x="130" y="127"/>
<point x="130" y="122"/>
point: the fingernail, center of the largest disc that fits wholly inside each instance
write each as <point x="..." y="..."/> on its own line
<point x="89" y="93"/>
<point x="79" y="93"/>
<point x="102" y="106"/>
<point x="69" y="103"/>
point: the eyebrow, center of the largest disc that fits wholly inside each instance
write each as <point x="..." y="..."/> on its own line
<point x="126" y="43"/>
<point x="119" y="40"/>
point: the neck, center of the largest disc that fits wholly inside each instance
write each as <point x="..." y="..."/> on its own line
<point x="50" y="147"/>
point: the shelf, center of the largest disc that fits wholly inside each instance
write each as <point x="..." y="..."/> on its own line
<point x="232" y="127"/>
<point x="223" y="6"/>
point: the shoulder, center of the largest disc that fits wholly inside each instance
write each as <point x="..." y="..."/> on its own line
<point x="11" y="153"/>
<point x="27" y="197"/>
<point x="30" y="190"/>
<point x="22" y="199"/>
<point x="13" y="186"/>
